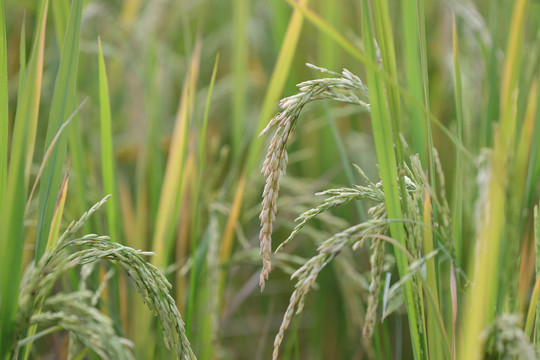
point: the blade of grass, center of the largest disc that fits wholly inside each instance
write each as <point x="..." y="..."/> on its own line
<point x="4" y="100"/>
<point x="435" y="341"/>
<point x="57" y="218"/>
<point x="48" y="154"/>
<point x="12" y="211"/>
<point x="516" y="213"/>
<point x="227" y="238"/>
<point x="382" y="134"/>
<point x="485" y="134"/>
<point x="107" y="154"/>
<point x="79" y="172"/>
<point x="22" y="61"/>
<point x="529" y="322"/>
<point x="60" y="11"/>
<point x="193" y="283"/>
<point x="420" y="9"/>
<point x="228" y="234"/>
<point x="186" y="217"/>
<point x="61" y="108"/>
<point x="458" y="200"/>
<point x="127" y="209"/>
<point x="328" y="54"/>
<point x="170" y="198"/>
<point x="415" y="76"/>
<point x="485" y="266"/>
<point x="239" y="60"/>
<point x="210" y="316"/>
<point x="416" y="69"/>
<point x="386" y="46"/>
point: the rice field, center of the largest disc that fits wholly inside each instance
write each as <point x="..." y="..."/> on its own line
<point x="285" y="179"/>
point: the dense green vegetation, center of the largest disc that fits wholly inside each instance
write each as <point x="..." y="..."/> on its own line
<point x="413" y="179"/>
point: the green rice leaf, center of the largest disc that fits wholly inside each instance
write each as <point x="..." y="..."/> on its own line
<point x="61" y="108"/>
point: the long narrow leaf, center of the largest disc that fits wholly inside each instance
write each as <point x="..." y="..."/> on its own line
<point x="61" y="108"/>
<point x="195" y="212"/>
<point x="170" y="198"/>
<point x="12" y="212"/>
<point x="4" y="99"/>
<point x="458" y="201"/>
<point x="107" y="153"/>
<point x="382" y="133"/>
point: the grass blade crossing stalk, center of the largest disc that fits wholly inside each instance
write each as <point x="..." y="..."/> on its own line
<point x="532" y="307"/>
<point x="12" y="211"/>
<point x="59" y="210"/>
<point x="386" y="46"/>
<point x="382" y="133"/>
<point x="112" y="208"/>
<point x="153" y="160"/>
<point x="519" y="173"/>
<point x="22" y="62"/>
<point x="171" y="196"/>
<point x="536" y="220"/>
<point x="61" y="107"/>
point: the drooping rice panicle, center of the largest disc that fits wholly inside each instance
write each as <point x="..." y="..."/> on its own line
<point x="346" y="88"/>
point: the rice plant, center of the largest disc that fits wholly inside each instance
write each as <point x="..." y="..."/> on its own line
<point x="76" y="312"/>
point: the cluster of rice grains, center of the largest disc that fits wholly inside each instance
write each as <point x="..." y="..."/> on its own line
<point x="76" y="311"/>
<point x="507" y="340"/>
<point x="347" y="88"/>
